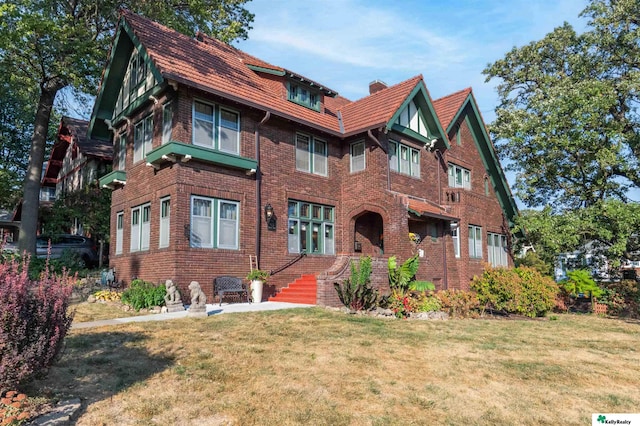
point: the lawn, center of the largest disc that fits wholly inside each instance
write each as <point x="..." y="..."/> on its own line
<point x="320" y="367"/>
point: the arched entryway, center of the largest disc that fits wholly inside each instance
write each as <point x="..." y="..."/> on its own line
<point x="368" y="238"/>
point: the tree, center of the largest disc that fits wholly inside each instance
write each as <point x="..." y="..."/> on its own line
<point x="569" y="127"/>
<point x="50" y="44"/>
<point x="567" y="119"/>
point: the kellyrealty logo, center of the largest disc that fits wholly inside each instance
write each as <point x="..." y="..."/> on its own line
<point x="616" y="419"/>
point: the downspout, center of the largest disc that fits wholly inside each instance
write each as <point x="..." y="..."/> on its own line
<point x="444" y="245"/>
<point x="374" y="139"/>
<point x="259" y="190"/>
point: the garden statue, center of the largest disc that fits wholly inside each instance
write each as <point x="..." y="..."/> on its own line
<point x="172" y="299"/>
<point x="198" y="300"/>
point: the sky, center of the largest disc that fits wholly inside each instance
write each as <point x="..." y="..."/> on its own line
<point x="346" y="44"/>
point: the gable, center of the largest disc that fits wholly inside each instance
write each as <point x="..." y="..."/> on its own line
<point x="416" y="118"/>
<point x="128" y="81"/>
<point x="468" y="111"/>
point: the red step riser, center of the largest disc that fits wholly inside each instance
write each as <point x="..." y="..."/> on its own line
<point x="302" y="290"/>
<point x="307" y="301"/>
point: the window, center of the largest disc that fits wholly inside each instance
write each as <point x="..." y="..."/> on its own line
<point x="216" y="127"/>
<point x="165" y="221"/>
<point x="455" y="236"/>
<point x="358" y="162"/>
<point x="475" y="242"/>
<point x="311" y="155"/>
<point x="119" y="231"/>
<point x="143" y="138"/>
<point x="497" y="249"/>
<point x="459" y="177"/>
<point x="311" y="228"/>
<point x="214" y="223"/>
<point x="122" y="152"/>
<point x="404" y="159"/>
<point x="167" y="122"/>
<point x="303" y="96"/>
<point x="140" y="227"/>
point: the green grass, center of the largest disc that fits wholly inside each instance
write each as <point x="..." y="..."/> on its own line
<point x="314" y="366"/>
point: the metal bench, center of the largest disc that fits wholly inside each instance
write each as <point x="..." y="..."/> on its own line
<point x="227" y="284"/>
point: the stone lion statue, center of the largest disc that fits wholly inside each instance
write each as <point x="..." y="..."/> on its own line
<point x="198" y="298"/>
<point x="173" y="295"/>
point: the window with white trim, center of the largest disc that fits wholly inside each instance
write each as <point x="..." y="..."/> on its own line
<point x="404" y="159"/>
<point x="311" y="154"/>
<point x="497" y="249"/>
<point x="119" y="231"/>
<point x="459" y="177"/>
<point x="140" y="227"/>
<point x="142" y="138"/>
<point x="214" y="223"/>
<point x="455" y="236"/>
<point x="165" y="221"/>
<point x="358" y="159"/>
<point x="167" y="122"/>
<point x="475" y="242"/>
<point x="216" y="127"/>
<point x="122" y="152"/>
<point x="311" y="228"/>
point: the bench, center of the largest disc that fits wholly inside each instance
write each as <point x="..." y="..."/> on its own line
<point x="227" y="284"/>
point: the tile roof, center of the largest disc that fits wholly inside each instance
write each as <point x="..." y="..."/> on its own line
<point x="425" y="208"/>
<point x="448" y="106"/>
<point x="377" y="109"/>
<point x="206" y="63"/>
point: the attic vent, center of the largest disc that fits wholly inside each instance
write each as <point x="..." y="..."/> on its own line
<point x="376" y="86"/>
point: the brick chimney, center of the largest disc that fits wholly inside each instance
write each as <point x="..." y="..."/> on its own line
<point x="376" y="86"/>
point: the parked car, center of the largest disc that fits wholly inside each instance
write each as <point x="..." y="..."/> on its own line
<point x="83" y="247"/>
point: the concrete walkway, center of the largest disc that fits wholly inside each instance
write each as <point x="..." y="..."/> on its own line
<point x="211" y="310"/>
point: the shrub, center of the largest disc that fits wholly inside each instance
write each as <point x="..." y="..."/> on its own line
<point x="621" y="297"/>
<point x="520" y="290"/>
<point x="579" y="282"/>
<point x="458" y="303"/>
<point x="143" y="295"/>
<point x="33" y="322"/>
<point x="356" y="292"/>
<point x="107" y="295"/>
<point x="429" y="304"/>
<point x="401" y="277"/>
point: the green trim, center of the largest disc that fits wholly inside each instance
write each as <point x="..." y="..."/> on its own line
<point x="115" y="177"/>
<point x="489" y="159"/>
<point x="271" y="71"/>
<point x="199" y="153"/>
<point x="112" y="81"/>
<point x="421" y="98"/>
<point x="409" y="133"/>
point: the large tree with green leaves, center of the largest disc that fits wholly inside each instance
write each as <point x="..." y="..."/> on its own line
<point x="569" y="127"/>
<point x="49" y="45"/>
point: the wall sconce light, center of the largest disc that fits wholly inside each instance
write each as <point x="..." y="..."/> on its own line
<point x="270" y="217"/>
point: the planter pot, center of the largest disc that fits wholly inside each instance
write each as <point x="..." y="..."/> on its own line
<point x="256" y="291"/>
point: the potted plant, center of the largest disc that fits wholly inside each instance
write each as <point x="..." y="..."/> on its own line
<point x="257" y="278"/>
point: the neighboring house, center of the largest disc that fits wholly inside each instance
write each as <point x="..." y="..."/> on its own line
<point x="219" y="157"/>
<point x="75" y="162"/>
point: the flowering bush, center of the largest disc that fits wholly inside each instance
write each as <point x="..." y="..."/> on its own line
<point x="520" y="290"/>
<point x="458" y="303"/>
<point x="107" y="296"/>
<point x="33" y="321"/>
<point x="12" y="409"/>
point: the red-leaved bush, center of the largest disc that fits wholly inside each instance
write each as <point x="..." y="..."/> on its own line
<point x="33" y="321"/>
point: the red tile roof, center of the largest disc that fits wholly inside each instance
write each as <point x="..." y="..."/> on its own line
<point x="218" y="68"/>
<point x="448" y="106"/>
<point x="425" y="208"/>
<point x="377" y="109"/>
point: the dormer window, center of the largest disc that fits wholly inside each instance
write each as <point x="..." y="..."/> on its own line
<point x="304" y="96"/>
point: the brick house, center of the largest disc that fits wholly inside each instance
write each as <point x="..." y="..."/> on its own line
<point x="74" y="163"/>
<point x="219" y="156"/>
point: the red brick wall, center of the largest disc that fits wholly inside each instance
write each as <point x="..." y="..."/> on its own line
<point x="373" y="191"/>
